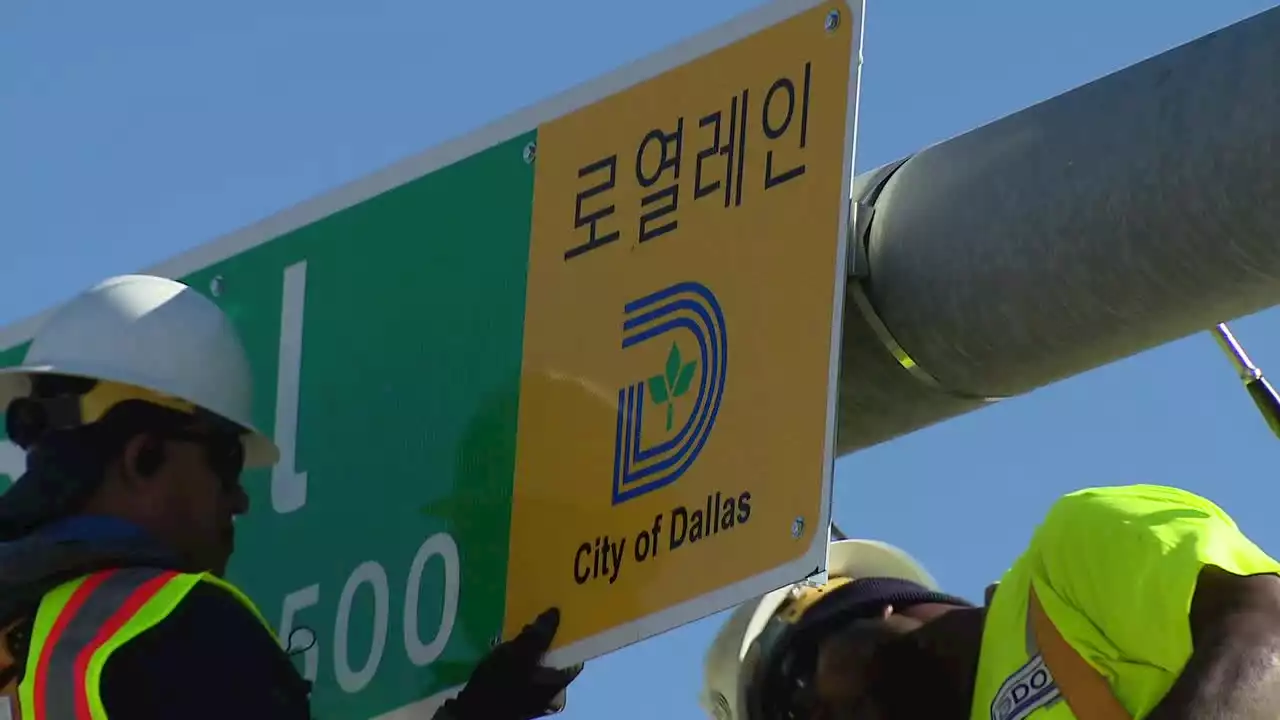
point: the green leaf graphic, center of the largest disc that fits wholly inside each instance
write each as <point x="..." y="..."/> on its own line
<point x="658" y="389"/>
<point x="673" y="365"/>
<point x="670" y="411"/>
<point x="681" y="385"/>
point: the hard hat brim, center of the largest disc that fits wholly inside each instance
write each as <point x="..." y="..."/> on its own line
<point x="259" y="450"/>
<point x="15" y="382"/>
<point x="859" y="558"/>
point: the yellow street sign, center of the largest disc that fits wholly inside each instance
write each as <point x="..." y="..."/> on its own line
<point x="682" y="328"/>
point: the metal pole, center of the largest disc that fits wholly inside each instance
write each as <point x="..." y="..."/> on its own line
<point x="1130" y="212"/>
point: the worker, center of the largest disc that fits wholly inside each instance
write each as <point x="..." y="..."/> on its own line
<point x="133" y="404"/>
<point x="1130" y="602"/>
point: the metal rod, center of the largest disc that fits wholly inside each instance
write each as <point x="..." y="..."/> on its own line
<point x="1263" y="395"/>
<point x="1122" y="215"/>
<point x="1239" y="358"/>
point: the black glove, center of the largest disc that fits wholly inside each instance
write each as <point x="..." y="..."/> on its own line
<point x="510" y="683"/>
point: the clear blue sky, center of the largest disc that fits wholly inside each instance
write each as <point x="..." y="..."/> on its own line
<point x="132" y="131"/>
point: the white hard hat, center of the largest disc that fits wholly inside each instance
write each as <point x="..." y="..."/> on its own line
<point x="151" y="333"/>
<point x="735" y="653"/>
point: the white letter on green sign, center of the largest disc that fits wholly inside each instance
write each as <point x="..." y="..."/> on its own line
<point x="288" y="485"/>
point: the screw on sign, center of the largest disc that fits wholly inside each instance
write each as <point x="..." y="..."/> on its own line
<point x="797" y="527"/>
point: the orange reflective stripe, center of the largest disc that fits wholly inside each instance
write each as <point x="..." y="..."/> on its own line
<point x="125" y="612"/>
<point x="69" y="607"/>
<point x="81" y="623"/>
<point x="1087" y="692"/>
<point x="95" y="611"/>
<point x="162" y="601"/>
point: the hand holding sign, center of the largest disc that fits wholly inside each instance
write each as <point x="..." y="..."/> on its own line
<point x="510" y="683"/>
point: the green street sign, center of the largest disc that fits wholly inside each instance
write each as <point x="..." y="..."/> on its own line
<point x="448" y="353"/>
<point x="383" y="530"/>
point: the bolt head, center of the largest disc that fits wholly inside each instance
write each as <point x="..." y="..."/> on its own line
<point x="530" y="152"/>
<point x="797" y="527"/>
<point x="832" y="20"/>
<point x="215" y="286"/>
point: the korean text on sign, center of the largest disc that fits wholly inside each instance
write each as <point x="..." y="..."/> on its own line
<point x="724" y="140"/>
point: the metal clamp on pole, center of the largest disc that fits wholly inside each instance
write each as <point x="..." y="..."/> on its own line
<point x="862" y="211"/>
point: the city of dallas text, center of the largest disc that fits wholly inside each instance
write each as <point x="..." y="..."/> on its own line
<point x="603" y="557"/>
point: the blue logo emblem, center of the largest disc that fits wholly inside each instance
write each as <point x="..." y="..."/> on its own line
<point x="1027" y="690"/>
<point x="688" y="317"/>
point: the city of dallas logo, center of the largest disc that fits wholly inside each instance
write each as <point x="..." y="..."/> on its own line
<point x="686" y="317"/>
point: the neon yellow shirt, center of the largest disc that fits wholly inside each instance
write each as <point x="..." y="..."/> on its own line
<point x="1115" y="569"/>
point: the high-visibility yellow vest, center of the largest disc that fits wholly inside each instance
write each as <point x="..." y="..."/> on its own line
<point x="80" y="623"/>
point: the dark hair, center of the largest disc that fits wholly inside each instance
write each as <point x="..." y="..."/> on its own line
<point x="868" y="634"/>
<point x="65" y="467"/>
<point x="902" y="677"/>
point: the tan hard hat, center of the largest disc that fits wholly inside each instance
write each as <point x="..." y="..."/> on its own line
<point x="729" y="661"/>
